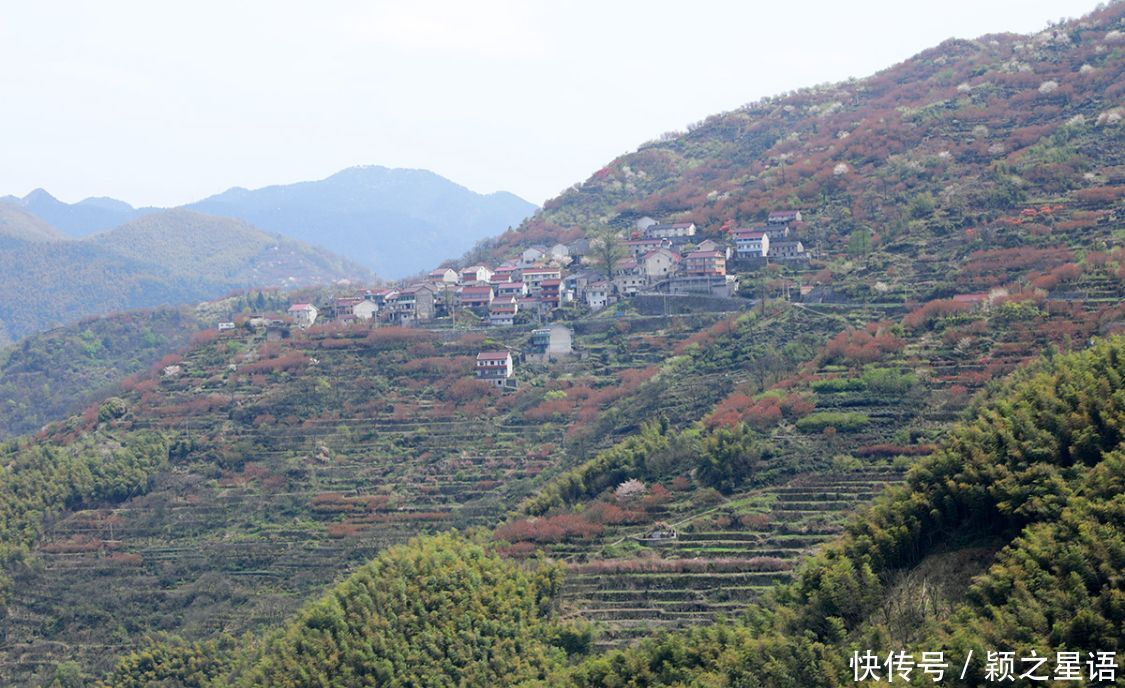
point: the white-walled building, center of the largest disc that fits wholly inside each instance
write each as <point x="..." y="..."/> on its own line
<point x="303" y="314"/>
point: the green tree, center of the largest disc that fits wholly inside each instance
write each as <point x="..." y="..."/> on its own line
<point x="729" y="457"/>
<point x="607" y="250"/>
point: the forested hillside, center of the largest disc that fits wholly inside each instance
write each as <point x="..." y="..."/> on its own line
<point x="1002" y="149"/>
<point x="17" y="225"/>
<point x="173" y="257"/>
<point x="50" y="375"/>
<point x="1029" y="492"/>
<point x="1030" y="489"/>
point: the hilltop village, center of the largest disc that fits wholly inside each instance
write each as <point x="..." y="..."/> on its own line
<point x="670" y="264"/>
<point x="656" y="259"/>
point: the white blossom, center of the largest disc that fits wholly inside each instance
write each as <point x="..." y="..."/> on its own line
<point x="630" y="488"/>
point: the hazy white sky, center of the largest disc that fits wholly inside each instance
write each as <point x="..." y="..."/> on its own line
<point x="163" y="103"/>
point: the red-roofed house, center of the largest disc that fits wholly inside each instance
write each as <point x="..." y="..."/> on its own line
<point x="705" y="263"/>
<point x="342" y="307"/>
<point x="502" y="312"/>
<point x="505" y="273"/>
<point x="443" y="276"/>
<point x="475" y="274"/>
<point x="550" y="292"/>
<point x="516" y="289"/>
<point x="380" y="296"/>
<point x="475" y="296"/>
<point x="495" y="367"/>
<point x="533" y="278"/>
<point x="783" y="217"/>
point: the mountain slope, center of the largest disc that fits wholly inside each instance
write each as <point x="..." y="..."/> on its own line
<point x="395" y="221"/>
<point x="963" y="136"/>
<point x="80" y="219"/>
<point x="188" y="243"/>
<point x="52" y="374"/>
<point x="1028" y="490"/>
<point x="18" y="225"/>
<point x="172" y="257"/>
<point x="1036" y="476"/>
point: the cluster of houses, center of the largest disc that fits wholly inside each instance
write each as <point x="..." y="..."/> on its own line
<point x="659" y="258"/>
<point x="772" y="241"/>
<point x="667" y="258"/>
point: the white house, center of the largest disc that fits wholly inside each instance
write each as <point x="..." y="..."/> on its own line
<point x="658" y="264"/>
<point x="475" y="274"/>
<point x="532" y="255"/>
<point x="750" y="243"/>
<point x="597" y="295"/>
<point x="365" y="310"/>
<point x="304" y="314"/>
<point x="443" y="276"/>
<point x="533" y="278"/>
<point x="783" y="217"/>
<point x="502" y="312"/>
<point x="671" y="231"/>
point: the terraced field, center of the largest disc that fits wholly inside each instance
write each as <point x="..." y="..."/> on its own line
<point x="283" y="480"/>
<point x="705" y="571"/>
<point x="727" y="551"/>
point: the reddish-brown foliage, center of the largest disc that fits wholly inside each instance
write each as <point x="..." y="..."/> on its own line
<point x="867" y="345"/>
<point x="549" y="529"/>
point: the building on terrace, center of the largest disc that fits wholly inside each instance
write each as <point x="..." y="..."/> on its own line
<point x="496" y="368"/>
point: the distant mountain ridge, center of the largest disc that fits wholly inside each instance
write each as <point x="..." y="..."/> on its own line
<point x="396" y="222"/>
<point x="16" y="224"/>
<point x="80" y="219"/>
<point x="168" y="257"/>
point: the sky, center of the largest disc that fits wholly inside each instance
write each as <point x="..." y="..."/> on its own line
<point x="164" y="103"/>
